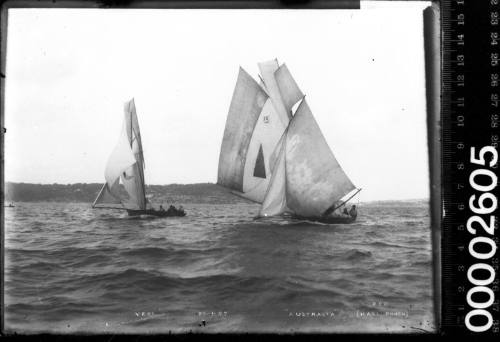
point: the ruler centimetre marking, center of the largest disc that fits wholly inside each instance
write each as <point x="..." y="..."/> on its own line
<point x="470" y="100"/>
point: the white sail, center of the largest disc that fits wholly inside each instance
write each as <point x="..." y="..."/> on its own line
<point x="133" y="177"/>
<point x="120" y="159"/>
<point x="125" y="164"/>
<point x="108" y="196"/>
<point x="289" y="90"/>
<point x="267" y="70"/>
<point x="259" y="158"/>
<point x="129" y="179"/>
<point x="275" y="199"/>
<point x="251" y="135"/>
<point x="272" y="158"/>
<point x="314" y="180"/>
<point x="246" y="106"/>
<point x="133" y="131"/>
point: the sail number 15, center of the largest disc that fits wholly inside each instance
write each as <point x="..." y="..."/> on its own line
<point x="482" y="247"/>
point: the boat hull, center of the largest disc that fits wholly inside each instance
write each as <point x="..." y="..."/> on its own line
<point x="329" y="219"/>
<point x="156" y="213"/>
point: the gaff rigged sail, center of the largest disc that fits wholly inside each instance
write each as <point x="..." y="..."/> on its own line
<point x="253" y="128"/>
<point x="289" y="90"/>
<point x="246" y="105"/>
<point x="133" y="177"/>
<point x="125" y="165"/>
<point x="274" y="158"/>
<point x="307" y="178"/>
<point x="259" y="158"/>
<point x="315" y="179"/>
<point x="267" y="70"/>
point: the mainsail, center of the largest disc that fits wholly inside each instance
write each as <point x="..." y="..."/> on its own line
<point x="274" y="156"/>
<point x="259" y="158"/>
<point x="126" y="166"/>
<point x="253" y="129"/>
<point x="246" y="105"/>
<point x="314" y="180"/>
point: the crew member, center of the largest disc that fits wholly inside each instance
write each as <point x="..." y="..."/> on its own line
<point x="353" y="212"/>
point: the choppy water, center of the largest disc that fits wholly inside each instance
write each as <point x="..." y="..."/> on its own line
<point x="70" y="268"/>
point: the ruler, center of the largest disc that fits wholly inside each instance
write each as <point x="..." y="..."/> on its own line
<point x="469" y="117"/>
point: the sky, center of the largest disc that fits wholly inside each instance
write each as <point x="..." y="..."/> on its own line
<point x="69" y="71"/>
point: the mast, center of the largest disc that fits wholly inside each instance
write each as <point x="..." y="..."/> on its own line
<point x="125" y="164"/>
<point x="133" y="178"/>
<point x="140" y="153"/>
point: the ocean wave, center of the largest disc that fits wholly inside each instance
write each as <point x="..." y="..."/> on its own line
<point x="422" y="263"/>
<point x="374" y="234"/>
<point x="147" y="281"/>
<point x="171" y="252"/>
<point x="419" y="240"/>
<point x="39" y="266"/>
<point x="104" y="266"/>
<point x="355" y="255"/>
<point x="390" y="245"/>
<point x="72" y="256"/>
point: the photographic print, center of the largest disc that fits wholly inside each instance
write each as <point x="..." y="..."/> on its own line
<point x="217" y="170"/>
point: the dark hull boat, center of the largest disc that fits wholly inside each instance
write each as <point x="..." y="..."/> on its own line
<point x="273" y="151"/>
<point x="328" y="219"/>
<point x="157" y="213"/>
<point x="126" y="167"/>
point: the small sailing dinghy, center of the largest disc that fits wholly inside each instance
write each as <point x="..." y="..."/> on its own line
<point x="273" y="151"/>
<point x="126" y="167"/>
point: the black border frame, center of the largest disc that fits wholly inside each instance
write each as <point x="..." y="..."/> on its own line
<point x="433" y="59"/>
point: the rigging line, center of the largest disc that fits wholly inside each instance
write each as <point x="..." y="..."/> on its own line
<point x="285" y="136"/>
<point x="143" y="185"/>
<point x="106" y="207"/>
<point x="99" y="195"/>
<point x="141" y="180"/>
<point x="130" y="123"/>
<point x="333" y="207"/>
<point x="347" y="200"/>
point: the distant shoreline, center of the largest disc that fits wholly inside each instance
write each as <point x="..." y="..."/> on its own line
<point x="171" y="193"/>
<point x="87" y="192"/>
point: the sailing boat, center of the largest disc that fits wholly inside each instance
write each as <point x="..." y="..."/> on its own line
<point x="273" y="151"/>
<point x="126" y="166"/>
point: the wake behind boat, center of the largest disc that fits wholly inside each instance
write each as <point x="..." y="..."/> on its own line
<point x="126" y="167"/>
<point x="273" y="151"/>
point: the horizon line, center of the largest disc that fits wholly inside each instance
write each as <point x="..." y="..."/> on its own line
<point x="363" y="201"/>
